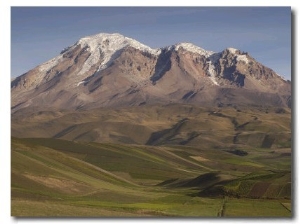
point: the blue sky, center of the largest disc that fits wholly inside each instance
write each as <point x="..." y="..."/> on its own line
<point x="40" y="33"/>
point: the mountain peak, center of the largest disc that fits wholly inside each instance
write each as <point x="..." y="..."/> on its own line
<point x="108" y="47"/>
<point x="103" y="35"/>
<point x="112" y="42"/>
<point x="240" y="56"/>
<point x="193" y="48"/>
<point x="232" y="50"/>
<point x="94" y="41"/>
<point x="124" y="71"/>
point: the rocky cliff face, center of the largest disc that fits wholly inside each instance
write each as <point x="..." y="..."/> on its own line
<point x="240" y="69"/>
<point x="108" y="70"/>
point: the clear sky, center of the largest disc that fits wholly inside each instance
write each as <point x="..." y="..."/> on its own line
<point x="40" y="33"/>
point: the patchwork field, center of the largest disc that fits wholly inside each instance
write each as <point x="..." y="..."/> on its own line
<point x="61" y="178"/>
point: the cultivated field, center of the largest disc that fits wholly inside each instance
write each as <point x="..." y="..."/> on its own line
<point x="60" y="178"/>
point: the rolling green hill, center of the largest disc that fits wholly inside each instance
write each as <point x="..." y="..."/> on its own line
<point x="54" y="177"/>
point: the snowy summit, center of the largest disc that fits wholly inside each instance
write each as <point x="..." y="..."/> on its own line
<point x="193" y="48"/>
<point x="109" y="45"/>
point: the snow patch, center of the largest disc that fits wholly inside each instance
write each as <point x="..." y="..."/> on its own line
<point x="280" y="76"/>
<point x="211" y="70"/>
<point x="239" y="57"/>
<point x="211" y="67"/>
<point x="50" y="64"/>
<point x="105" y="46"/>
<point x="242" y="58"/>
<point x="193" y="48"/>
<point x="82" y="82"/>
<point x="232" y="50"/>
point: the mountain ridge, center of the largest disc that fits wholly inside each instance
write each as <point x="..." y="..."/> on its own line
<point x="126" y="72"/>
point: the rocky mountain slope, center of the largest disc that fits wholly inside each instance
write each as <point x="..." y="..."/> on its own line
<point x="111" y="70"/>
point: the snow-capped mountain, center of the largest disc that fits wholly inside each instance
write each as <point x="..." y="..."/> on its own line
<point x="107" y="70"/>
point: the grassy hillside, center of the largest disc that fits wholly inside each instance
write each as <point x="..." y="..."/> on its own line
<point x="55" y="177"/>
<point x="223" y="127"/>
